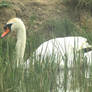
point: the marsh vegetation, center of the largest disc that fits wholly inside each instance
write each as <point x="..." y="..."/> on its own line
<point x="45" y="75"/>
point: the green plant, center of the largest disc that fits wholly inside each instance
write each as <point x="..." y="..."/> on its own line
<point x="4" y="3"/>
<point x="59" y="28"/>
<point x="80" y="4"/>
<point x="45" y="76"/>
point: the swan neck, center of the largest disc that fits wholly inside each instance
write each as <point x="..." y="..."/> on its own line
<point x="20" y="45"/>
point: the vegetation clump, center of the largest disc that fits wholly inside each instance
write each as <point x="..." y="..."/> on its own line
<point x="4" y="4"/>
<point x="80" y="4"/>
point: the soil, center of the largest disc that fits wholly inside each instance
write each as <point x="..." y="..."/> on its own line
<point x="41" y="10"/>
<point x="35" y="12"/>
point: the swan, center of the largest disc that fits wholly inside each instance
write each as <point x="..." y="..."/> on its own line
<point x="17" y="25"/>
<point x="88" y="56"/>
<point x="58" y="46"/>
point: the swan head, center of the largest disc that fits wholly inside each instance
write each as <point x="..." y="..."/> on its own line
<point x="13" y="24"/>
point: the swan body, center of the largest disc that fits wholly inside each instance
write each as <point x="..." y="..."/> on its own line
<point x="88" y="56"/>
<point x="59" y="47"/>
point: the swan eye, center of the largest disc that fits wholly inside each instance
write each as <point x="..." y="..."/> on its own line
<point x="7" y="26"/>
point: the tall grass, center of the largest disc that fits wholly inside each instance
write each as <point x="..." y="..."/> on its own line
<point x="45" y="76"/>
<point x="58" y="28"/>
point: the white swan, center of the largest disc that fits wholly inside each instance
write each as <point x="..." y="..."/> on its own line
<point x="17" y="25"/>
<point x="58" y="46"/>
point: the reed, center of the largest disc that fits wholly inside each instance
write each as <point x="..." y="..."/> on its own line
<point x="44" y="75"/>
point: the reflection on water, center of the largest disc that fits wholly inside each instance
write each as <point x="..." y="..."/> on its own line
<point x="78" y="78"/>
<point x="68" y="84"/>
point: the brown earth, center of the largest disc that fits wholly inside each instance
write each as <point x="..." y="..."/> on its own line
<point x="35" y="12"/>
<point x="39" y="10"/>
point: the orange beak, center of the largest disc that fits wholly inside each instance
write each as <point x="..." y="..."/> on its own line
<point x="5" y="33"/>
